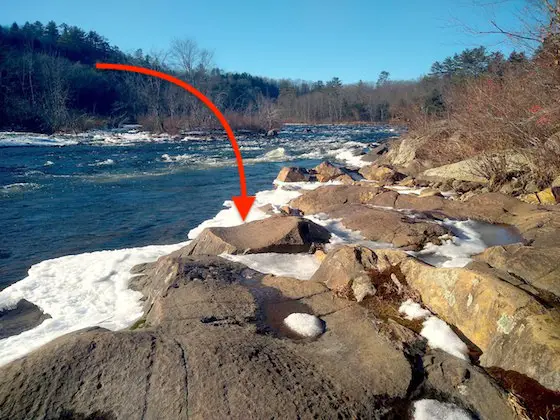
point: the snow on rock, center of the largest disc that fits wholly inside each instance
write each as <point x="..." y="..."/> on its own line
<point x="299" y="266"/>
<point x="413" y="310"/>
<point x="436" y="410"/>
<point x="305" y="325"/>
<point x="441" y="336"/>
<point x="437" y="332"/>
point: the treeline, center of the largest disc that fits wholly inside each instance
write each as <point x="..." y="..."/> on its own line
<point x="48" y="83"/>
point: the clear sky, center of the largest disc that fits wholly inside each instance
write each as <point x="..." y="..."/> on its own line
<point x="297" y="39"/>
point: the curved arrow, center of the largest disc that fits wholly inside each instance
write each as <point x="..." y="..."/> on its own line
<point x="243" y="203"/>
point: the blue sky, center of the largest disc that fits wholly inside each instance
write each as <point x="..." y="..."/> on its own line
<point x="296" y="39"/>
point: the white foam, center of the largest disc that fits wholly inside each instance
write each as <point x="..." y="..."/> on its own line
<point x="299" y="266"/>
<point x="78" y="291"/>
<point x="441" y="336"/>
<point x="33" y="139"/>
<point x="350" y="156"/>
<point x="19" y="187"/>
<point x="48" y="163"/>
<point x="413" y="310"/>
<point x="106" y="162"/>
<point x="305" y="325"/>
<point x="436" y="410"/>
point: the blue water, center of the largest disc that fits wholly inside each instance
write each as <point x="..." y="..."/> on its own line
<point x="110" y="194"/>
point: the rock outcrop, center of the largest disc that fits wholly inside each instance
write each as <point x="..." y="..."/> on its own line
<point x="209" y="349"/>
<point x="491" y="313"/>
<point x="285" y="234"/>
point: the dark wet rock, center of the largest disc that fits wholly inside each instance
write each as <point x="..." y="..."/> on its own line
<point x="286" y="234"/>
<point x="448" y="378"/>
<point x="376" y="153"/>
<point x="24" y="316"/>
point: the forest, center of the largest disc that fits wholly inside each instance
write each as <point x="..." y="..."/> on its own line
<point x="48" y="83"/>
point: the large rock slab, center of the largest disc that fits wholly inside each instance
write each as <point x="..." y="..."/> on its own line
<point x="388" y="226"/>
<point x="324" y="198"/>
<point x="380" y="173"/>
<point x="284" y="234"/>
<point x="209" y="350"/>
<point x="539" y="267"/>
<point x="489" y="311"/>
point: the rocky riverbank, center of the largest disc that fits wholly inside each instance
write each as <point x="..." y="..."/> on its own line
<point x="388" y="292"/>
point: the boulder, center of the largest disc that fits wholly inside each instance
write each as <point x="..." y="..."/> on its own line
<point x="203" y="351"/>
<point x="346" y="269"/>
<point x="326" y="171"/>
<point x="272" y="133"/>
<point x="345" y="179"/>
<point x="430" y="192"/>
<point x="293" y="174"/>
<point x="285" y="234"/>
<point x="539" y="267"/>
<point x="376" y="153"/>
<point x="22" y="317"/>
<point x="545" y="196"/>
<point x="380" y="173"/>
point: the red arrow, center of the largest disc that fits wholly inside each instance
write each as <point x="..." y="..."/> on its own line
<point x="242" y="202"/>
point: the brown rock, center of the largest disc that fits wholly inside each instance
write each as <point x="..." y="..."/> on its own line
<point x="388" y="226"/>
<point x="380" y="173"/>
<point x="539" y="267"/>
<point x="347" y="269"/>
<point x="293" y="174"/>
<point x="320" y="199"/>
<point x="491" y="313"/>
<point x="430" y="192"/>
<point x="326" y="171"/>
<point x="274" y="234"/>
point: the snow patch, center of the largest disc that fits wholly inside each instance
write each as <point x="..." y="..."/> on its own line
<point x="436" y="410"/>
<point x="299" y="266"/>
<point x="441" y="336"/>
<point x="413" y="310"/>
<point x="305" y="325"/>
<point x="78" y="291"/>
